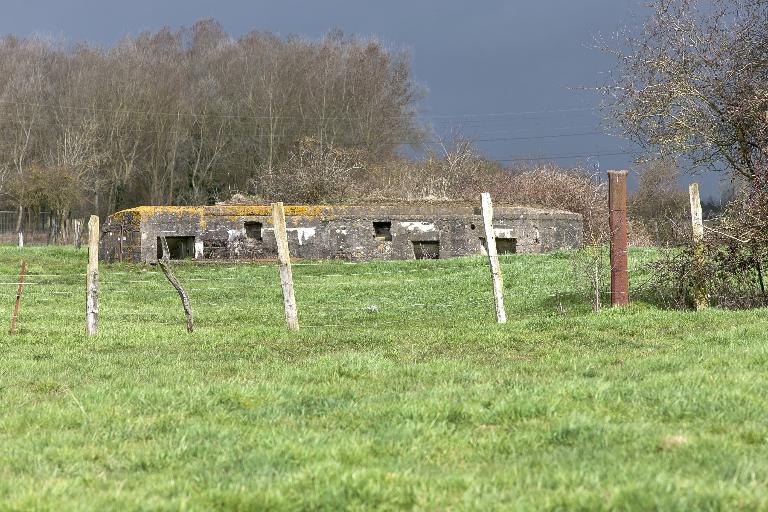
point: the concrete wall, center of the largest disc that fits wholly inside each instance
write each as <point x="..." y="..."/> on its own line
<point x="343" y="232"/>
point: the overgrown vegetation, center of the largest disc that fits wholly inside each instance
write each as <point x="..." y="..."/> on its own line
<point x="728" y="264"/>
<point x="692" y="85"/>
<point x="659" y="208"/>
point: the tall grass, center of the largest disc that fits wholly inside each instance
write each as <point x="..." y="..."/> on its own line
<point x="419" y="402"/>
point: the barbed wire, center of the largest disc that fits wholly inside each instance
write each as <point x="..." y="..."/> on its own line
<point x="375" y="304"/>
<point x="297" y="275"/>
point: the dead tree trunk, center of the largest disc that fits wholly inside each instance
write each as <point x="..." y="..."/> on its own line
<point x="165" y="266"/>
<point x="19" y="218"/>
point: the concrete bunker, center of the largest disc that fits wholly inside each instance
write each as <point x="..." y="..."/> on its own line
<point x="386" y="232"/>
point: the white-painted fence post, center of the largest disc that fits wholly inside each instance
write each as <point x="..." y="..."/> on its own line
<point x="92" y="277"/>
<point x="697" y="231"/>
<point x="284" y="262"/>
<point x="493" y="258"/>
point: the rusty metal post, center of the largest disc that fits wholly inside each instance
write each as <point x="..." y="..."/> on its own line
<point x="617" y="206"/>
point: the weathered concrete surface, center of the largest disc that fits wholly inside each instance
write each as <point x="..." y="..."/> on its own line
<point x="323" y="232"/>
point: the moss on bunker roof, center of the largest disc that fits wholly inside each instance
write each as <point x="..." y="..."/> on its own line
<point x="226" y="210"/>
<point x="325" y="211"/>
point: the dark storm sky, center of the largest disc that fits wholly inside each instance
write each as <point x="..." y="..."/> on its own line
<point x="509" y="74"/>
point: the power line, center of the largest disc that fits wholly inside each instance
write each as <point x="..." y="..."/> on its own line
<point x="520" y="158"/>
<point x="152" y="128"/>
<point x="414" y="142"/>
<point x="510" y="114"/>
<point x="537" y="137"/>
<point x="179" y="113"/>
<point x="129" y="129"/>
<point x="562" y="157"/>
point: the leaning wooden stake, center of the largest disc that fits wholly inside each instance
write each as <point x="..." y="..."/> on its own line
<point x="19" y="290"/>
<point x="284" y="262"/>
<point x="92" y="278"/>
<point x="697" y="227"/>
<point x="164" y="264"/>
<point x="493" y="258"/>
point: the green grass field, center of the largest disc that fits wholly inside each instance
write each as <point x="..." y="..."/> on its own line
<point x="420" y="403"/>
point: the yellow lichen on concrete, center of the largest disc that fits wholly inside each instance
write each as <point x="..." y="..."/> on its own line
<point x="239" y="210"/>
<point x="307" y="211"/>
<point x="128" y="219"/>
<point x="229" y="211"/>
<point x="151" y="210"/>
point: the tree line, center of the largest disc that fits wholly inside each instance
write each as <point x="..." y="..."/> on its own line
<point x="187" y="116"/>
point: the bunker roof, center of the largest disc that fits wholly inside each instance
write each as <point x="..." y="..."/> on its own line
<point x="342" y="211"/>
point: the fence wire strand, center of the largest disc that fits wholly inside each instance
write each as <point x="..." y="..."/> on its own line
<point x="41" y="286"/>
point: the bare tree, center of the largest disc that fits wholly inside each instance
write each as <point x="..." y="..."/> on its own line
<point x="694" y="83"/>
<point x="171" y="117"/>
<point x="23" y="91"/>
<point x="659" y="203"/>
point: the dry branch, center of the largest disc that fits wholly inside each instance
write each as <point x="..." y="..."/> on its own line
<point x="18" y="297"/>
<point x="164" y="263"/>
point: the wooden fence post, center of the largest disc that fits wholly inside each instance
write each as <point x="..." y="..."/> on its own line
<point x="617" y="206"/>
<point x="697" y="228"/>
<point x="92" y="277"/>
<point x="284" y="262"/>
<point x="19" y="290"/>
<point x="493" y="258"/>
